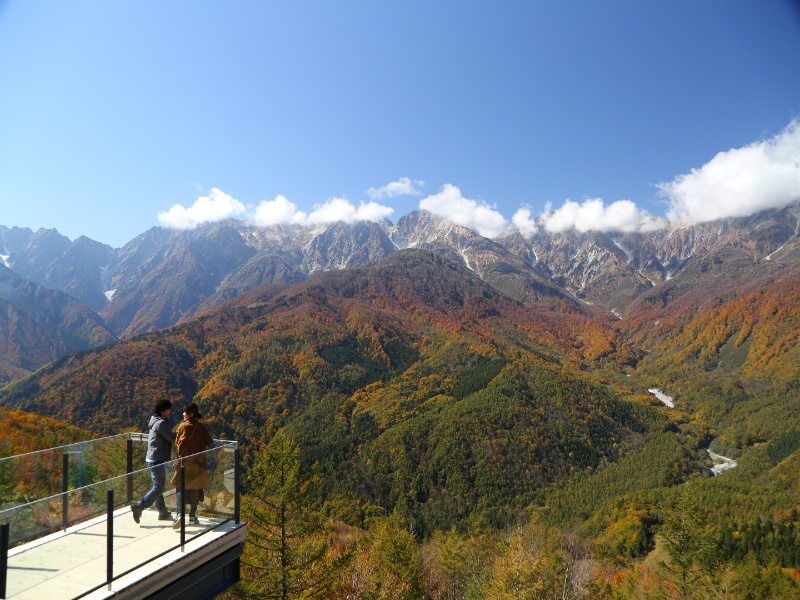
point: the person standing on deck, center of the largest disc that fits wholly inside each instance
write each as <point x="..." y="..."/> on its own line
<point x="159" y="442"/>
<point x="192" y="438"/>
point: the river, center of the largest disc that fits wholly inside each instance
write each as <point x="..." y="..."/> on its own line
<point x="662" y="396"/>
<point x="721" y="463"/>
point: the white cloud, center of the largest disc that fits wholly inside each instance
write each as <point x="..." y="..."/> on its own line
<point x="524" y="223"/>
<point x="595" y="215"/>
<point x="215" y="207"/>
<point x="402" y="187"/>
<point x="650" y="223"/>
<point x="479" y="216"/>
<point x="340" y="209"/>
<point x="276" y="212"/>
<point x="739" y="182"/>
<point x="280" y="210"/>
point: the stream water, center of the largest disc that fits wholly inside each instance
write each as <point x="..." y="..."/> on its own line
<point x="721" y="463"/>
<point x="663" y="397"/>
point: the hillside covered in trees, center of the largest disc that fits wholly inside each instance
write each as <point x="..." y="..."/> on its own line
<point x="430" y="416"/>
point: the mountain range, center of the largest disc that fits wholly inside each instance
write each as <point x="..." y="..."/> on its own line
<point x="88" y="294"/>
<point x="412" y="352"/>
<point x="457" y="383"/>
<point x="412" y="385"/>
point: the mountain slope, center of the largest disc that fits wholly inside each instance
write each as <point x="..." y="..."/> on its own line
<point x="80" y="268"/>
<point x="495" y="264"/>
<point x="38" y="325"/>
<point x="353" y="362"/>
<point x="164" y="276"/>
<point x="173" y="281"/>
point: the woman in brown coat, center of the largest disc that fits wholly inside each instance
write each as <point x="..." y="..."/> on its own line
<point x="191" y="437"/>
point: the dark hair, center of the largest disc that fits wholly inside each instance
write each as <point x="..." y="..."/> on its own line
<point x="161" y="406"/>
<point x="192" y="411"/>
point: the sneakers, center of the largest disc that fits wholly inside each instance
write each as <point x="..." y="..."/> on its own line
<point x="176" y="524"/>
<point x="165" y="517"/>
<point x="136" y="511"/>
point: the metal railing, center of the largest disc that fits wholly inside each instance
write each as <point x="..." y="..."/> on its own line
<point x="96" y="479"/>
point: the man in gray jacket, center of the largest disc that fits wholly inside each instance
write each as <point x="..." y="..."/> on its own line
<point x="159" y="443"/>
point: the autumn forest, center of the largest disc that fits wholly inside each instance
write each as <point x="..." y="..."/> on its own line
<point x="427" y="436"/>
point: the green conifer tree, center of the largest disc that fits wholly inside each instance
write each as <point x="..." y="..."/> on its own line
<point x="689" y="547"/>
<point x="289" y="551"/>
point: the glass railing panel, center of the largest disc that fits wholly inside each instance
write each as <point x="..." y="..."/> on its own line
<point x="35" y="519"/>
<point x="31" y="476"/>
<point x="217" y="501"/>
<point x="73" y="560"/>
<point x="219" y="498"/>
<point x="41" y="517"/>
<point x="78" y="555"/>
<point x="35" y="475"/>
<point x="28" y="477"/>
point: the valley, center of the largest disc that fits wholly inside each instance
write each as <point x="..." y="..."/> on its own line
<point x="565" y="401"/>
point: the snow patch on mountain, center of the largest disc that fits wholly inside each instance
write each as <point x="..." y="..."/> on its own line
<point x="5" y="258"/>
<point x="465" y="257"/>
<point x="795" y="212"/>
<point x="769" y="256"/>
<point x="105" y="276"/>
<point x="628" y="254"/>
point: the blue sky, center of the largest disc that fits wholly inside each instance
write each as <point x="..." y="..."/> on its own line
<point x="119" y="116"/>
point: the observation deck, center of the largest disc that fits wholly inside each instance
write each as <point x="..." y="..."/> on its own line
<point x="66" y="528"/>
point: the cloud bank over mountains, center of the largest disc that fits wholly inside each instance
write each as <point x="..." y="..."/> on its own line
<point x="739" y="182"/>
<point x="215" y="207"/>
<point x="735" y="183"/>
<point x="218" y="206"/>
<point x="595" y="215"/>
<point x="479" y="216"/>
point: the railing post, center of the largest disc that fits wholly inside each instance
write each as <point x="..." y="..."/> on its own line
<point x="65" y="489"/>
<point x="183" y="505"/>
<point x="236" y="490"/>
<point x="130" y="470"/>
<point x="4" y="528"/>
<point x="110" y="536"/>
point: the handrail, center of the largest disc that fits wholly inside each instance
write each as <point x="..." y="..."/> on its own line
<point x="110" y="537"/>
<point x="222" y="444"/>
<point x="92" y="441"/>
<point x="3" y="558"/>
<point x="83" y="497"/>
<point x="51" y="467"/>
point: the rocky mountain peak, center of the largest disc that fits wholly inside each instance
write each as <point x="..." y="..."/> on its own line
<point x="164" y="276"/>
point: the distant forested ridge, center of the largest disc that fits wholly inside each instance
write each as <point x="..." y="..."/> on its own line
<point x="433" y="417"/>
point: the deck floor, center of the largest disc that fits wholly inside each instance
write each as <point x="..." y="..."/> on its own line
<point x="68" y="564"/>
